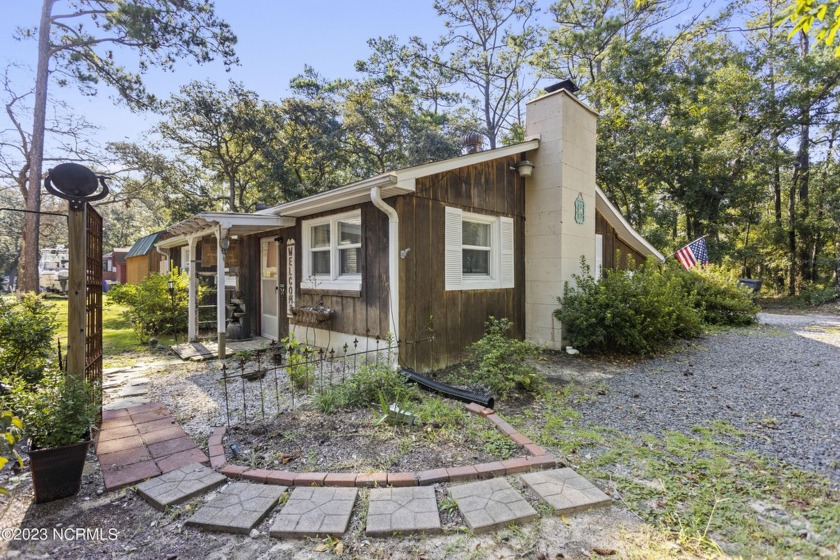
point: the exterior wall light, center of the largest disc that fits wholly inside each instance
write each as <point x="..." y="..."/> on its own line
<point x="524" y="167"/>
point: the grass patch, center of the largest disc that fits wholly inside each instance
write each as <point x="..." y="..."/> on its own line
<point x="701" y="490"/>
<point x="117" y="335"/>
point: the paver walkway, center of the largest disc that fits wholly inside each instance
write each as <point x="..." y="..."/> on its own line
<point x="237" y="508"/>
<point x="491" y="504"/>
<point x="565" y="490"/>
<point x="180" y="485"/>
<point x="315" y="511"/>
<point x="140" y="442"/>
<point x="198" y="351"/>
<point x="408" y="510"/>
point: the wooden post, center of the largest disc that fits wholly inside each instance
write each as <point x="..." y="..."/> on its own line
<point x="221" y="311"/>
<point x="76" y="290"/>
<point x="192" y="291"/>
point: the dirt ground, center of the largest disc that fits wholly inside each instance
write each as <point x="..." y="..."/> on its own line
<point x="351" y="441"/>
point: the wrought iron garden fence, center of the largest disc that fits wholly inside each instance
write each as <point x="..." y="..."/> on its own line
<point x="260" y="384"/>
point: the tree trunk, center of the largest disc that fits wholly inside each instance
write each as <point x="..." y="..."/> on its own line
<point x="792" y="237"/>
<point x="777" y="185"/>
<point x="28" y="267"/>
<point x="232" y="197"/>
<point x="803" y="164"/>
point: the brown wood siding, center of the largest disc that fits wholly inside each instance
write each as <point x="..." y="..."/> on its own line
<point x="612" y="244"/>
<point x="141" y="266"/>
<point x="437" y="325"/>
<point x="364" y="313"/>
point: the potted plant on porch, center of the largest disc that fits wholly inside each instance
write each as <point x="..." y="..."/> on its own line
<point x="58" y="415"/>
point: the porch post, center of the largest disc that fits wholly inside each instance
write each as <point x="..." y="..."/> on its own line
<point x="221" y="311"/>
<point x="192" y="288"/>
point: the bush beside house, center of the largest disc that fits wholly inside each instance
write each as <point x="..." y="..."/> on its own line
<point x="642" y="309"/>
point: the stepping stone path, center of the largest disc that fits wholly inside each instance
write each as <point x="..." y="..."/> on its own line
<point x="180" y="485"/>
<point x="238" y="508"/>
<point x="565" y="490"/>
<point x="315" y="511"/>
<point x="140" y="442"/>
<point x="491" y="504"/>
<point x="409" y="510"/>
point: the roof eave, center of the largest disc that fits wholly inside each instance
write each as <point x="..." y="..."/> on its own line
<point x="631" y="237"/>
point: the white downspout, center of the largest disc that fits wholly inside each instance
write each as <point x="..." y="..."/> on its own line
<point x="393" y="261"/>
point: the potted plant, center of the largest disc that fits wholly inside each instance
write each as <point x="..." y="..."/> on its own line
<point x="58" y="416"/>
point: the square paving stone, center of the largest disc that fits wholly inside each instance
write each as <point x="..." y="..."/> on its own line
<point x="237" y="508"/>
<point x="491" y="504"/>
<point x="315" y="511"/>
<point x="406" y="510"/>
<point x="565" y="490"/>
<point x="180" y="485"/>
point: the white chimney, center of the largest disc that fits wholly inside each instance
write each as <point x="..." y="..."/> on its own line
<point x="559" y="206"/>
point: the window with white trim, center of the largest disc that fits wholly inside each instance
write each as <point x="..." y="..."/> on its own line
<point x="479" y="251"/>
<point x="332" y="252"/>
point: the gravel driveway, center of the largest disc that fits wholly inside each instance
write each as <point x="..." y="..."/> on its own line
<point x="779" y="381"/>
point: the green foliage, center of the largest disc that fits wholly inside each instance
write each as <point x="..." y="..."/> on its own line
<point x="498" y="444"/>
<point x="60" y="410"/>
<point x="301" y="364"/>
<point x="719" y="297"/>
<point x="151" y="309"/>
<point x="502" y="363"/>
<point x="820" y="15"/>
<point x="815" y="295"/>
<point x="11" y="430"/>
<point x="371" y="383"/>
<point x="642" y="310"/>
<point x="27" y="328"/>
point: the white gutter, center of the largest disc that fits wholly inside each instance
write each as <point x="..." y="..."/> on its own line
<point x="393" y="261"/>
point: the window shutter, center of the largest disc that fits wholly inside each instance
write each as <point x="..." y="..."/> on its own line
<point x="508" y="262"/>
<point x="599" y="256"/>
<point x="453" y="265"/>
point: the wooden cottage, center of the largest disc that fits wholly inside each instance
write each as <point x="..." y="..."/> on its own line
<point x="143" y="259"/>
<point x="422" y="255"/>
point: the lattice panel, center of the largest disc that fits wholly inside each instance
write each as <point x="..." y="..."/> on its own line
<point x="93" y="304"/>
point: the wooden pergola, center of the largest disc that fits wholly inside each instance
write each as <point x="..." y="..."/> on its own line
<point x="221" y="225"/>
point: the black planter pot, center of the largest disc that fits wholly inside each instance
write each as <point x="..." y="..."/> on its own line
<point x="57" y="471"/>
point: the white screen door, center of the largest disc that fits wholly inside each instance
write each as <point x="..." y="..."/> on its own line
<point x="268" y="287"/>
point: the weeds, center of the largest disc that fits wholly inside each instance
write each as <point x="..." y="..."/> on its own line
<point x="700" y="490"/>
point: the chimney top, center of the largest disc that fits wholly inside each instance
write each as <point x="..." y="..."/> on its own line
<point x="568" y="85"/>
<point x="259" y="207"/>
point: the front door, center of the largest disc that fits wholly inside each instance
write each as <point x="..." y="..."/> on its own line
<point x="268" y="288"/>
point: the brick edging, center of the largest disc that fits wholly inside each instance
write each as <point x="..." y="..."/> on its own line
<point x="538" y="459"/>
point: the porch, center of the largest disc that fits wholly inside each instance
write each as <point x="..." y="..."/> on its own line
<point x="216" y="249"/>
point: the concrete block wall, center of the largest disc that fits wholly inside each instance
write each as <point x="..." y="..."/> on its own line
<point x="564" y="167"/>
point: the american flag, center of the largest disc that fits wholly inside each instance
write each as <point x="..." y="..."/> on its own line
<point x="693" y="253"/>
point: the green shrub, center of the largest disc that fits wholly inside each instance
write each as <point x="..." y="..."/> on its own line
<point x="719" y="297"/>
<point x="500" y="362"/>
<point x="642" y="310"/>
<point x="60" y="410"/>
<point x="27" y="329"/>
<point x="301" y="365"/>
<point x="151" y="309"/>
<point x="815" y="295"/>
<point x="365" y="387"/>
